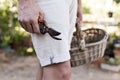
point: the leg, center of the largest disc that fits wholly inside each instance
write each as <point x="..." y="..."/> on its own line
<point x="60" y="71"/>
<point x="39" y="73"/>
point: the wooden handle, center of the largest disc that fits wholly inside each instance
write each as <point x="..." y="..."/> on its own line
<point x="80" y="37"/>
<point x="78" y="30"/>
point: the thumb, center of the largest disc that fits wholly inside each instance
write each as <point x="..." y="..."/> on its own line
<point x="41" y="16"/>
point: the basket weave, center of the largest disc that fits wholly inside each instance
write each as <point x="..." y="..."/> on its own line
<point x="95" y="44"/>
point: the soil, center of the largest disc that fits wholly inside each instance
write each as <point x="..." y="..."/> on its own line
<point x="24" y="68"/>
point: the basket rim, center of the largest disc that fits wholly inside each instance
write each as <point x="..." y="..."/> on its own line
<point x="95" y="43"/>
<point x="94" y="28"/>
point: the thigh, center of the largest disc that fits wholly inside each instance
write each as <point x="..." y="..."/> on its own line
<point x="57" y="71"/>
<point x="39" y="73"/>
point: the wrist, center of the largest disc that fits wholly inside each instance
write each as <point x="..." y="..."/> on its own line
<point x="79" y="3"/>
<point x="22" y="4"/>
<point x="79" y="8"/>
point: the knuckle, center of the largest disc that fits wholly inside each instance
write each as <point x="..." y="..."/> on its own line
<point x="26" y="20"/>
<point x="31" y="20"/>
<point x="21" y="20"/>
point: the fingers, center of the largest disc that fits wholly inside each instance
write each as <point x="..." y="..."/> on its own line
<point x="36" y="27"/>
<point x="26" y="25"/>
<point x="29" y="27"/>
<point x="40" y="18"/>
<point x="32" y="27"/>
<point x="78" y="20"/>
<point x="23" y="26"/>
<point x="41" y="15"/>
<point x="79" y="17"/>
<point x="30" y="24"/>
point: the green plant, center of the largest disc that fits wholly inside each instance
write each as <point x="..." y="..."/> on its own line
<point x="25" y="51"/>
<point x="118" y="24"/>
<point x="113" y="61"/>
<point x="86" y="10"/>
<point x="114" y="36"/>
<point x="8" y="21"/>
<point x="11" y="34"/>
<point x="5" y="41"/>
<point x="117" y="1"/>
<point x="17" y="35"/>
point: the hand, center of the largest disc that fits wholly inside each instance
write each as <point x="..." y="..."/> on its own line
<point x="28" y="12"/>
<point x="79" y="15"/>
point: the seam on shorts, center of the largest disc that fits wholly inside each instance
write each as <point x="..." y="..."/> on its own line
<point x="54" y="59"/>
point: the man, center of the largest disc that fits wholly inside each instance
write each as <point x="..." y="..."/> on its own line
<point x="60" y="15"/>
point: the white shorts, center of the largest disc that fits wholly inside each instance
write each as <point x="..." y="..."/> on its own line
<point x="61" y="16"/>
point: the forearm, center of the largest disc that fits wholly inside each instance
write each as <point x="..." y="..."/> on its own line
<point x="22" y="4"/>
<point x="79" y="4"/>
<point x="79" y="12"/>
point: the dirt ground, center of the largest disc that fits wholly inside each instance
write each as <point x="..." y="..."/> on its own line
<point x="24" y="68"/>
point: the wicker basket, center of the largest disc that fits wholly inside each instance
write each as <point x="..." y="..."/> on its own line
<point x="95" y="44"/>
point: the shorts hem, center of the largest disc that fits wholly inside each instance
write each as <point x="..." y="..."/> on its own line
<point x="54" y="59"/>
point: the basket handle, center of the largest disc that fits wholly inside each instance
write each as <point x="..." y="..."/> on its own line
<point x="80" y="37"/>
<point x="78" y="30"/>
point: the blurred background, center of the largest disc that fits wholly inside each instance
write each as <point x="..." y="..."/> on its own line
<point x="17" y="56"/>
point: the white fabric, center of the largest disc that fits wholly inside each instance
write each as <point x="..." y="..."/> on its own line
<point x="61" y="16"/>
